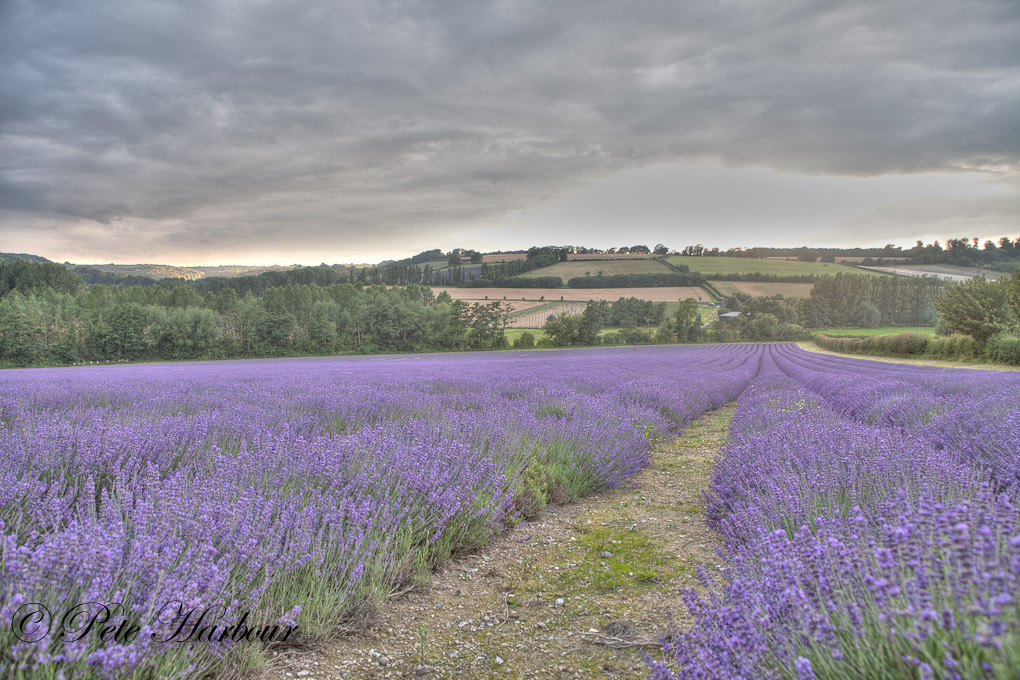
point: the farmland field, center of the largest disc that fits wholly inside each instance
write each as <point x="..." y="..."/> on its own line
<point x="503" y="257"/>
<point x="948" y="272"/>
<point x="512" y="333"/>
<point x="869" y="510"/>
<point x="536" y="317"/>
<point x="749" y="265"/>
<point x="576" y="268"/>
<point x="664" y="294"/>
<point x="610" y="256"/>
<point x="854" y="260"/>
<point x="436" y="265"/>
<point x="864" y="332"/>
<point x="757" y="288"/>
<point x="517" y="306"/>
<point x="839" y="258"/>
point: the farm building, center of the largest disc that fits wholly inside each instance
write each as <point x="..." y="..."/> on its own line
<point x="729" y="316"/>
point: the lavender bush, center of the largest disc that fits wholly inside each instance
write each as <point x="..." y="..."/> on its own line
<point x="301" y="491"/>
<point x="869" y="510"/>
<point x="871" y="519"/>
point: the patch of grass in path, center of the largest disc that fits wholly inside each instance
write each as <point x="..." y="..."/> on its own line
<point x="543" y="599"/>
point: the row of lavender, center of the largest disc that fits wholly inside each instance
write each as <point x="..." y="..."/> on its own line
<point x="299" y="491"/>
<point x="871" y="515"/>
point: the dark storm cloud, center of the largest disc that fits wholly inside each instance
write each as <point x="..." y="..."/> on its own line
<point x="343" y="122"/>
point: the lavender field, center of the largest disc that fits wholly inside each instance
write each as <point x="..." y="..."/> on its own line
<point x="301" y="490"/>
<point x="868" y="509"/>
<point x="870" y="513"/>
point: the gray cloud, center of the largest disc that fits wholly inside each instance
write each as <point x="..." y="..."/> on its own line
<point x="339" y="125"/>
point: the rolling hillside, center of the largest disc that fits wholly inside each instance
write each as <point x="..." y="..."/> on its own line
<point x="749" y="265"/>
<point x="570" y="269"/>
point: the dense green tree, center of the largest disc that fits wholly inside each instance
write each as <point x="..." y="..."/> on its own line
<point x="127" y="331"/>
<point x="524" y="341"/>
<point x="631" y="312"/>
<point x="184" y="296"/>
<point x="867" y="315"/>
<point x="807" y="255"/>
<point x="275" y="330"/>
<point x="687" y="324"/>
<point x="323" y="324"/>
<point x="901" y="300"/>
<point x="1012" y="283"/>
<point x="978" y="307"/>
<point x="187" y="332"/>
<point x="487" y="325"/>
<point x="563" y="330"/>
<point x="594" y="318"/>
<point x="763" y="327"/>
<point x="27" y="276"/>
<point x="20" y="336"/>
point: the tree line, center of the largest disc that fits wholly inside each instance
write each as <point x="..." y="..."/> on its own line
<point x="870" y="301"/>
<point x="48" y="315"/>
<point x="45" y="325"/>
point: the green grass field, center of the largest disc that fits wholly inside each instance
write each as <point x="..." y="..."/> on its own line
<point x="749" y="265"/>
<point x="569" y="270"/>
<point x="436" y="264"/>
<point x="885" y="330"/>
<point x="514" y="333"/>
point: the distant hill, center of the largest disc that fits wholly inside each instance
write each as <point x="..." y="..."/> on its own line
<point x="167" y="271"/>
<point x="163" y="271"/>
<point x="14" y="257"/>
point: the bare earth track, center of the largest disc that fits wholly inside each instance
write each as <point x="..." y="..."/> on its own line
<point x="575" y="594"/>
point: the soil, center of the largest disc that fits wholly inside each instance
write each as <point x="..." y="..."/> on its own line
<point x="581" y="592"/>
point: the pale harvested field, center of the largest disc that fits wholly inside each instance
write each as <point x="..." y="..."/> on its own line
<point x="607" y="256"/>
<point x="567" y="294"/>
<point x="750" y="265"/>
<point x="523" y="305"/>
<point x="537" y="317"/>
<point x="503" y="257"/>
<point x="758" y="289"/>
<point x="840" y="258"/>
<point x="861" y="259"/>
<point x="568" y="270"/>
<point x="943" y="271"/>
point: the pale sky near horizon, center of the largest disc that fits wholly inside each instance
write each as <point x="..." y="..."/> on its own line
<point x="250" y="132"/>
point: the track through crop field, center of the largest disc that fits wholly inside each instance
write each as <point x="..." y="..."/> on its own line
<point x="868" y="510"/>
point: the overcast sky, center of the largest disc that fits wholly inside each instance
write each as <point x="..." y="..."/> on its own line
<point x="235" y="131"/>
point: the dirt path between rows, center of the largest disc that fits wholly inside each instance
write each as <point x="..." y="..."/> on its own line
<point x="574" y="594"/>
